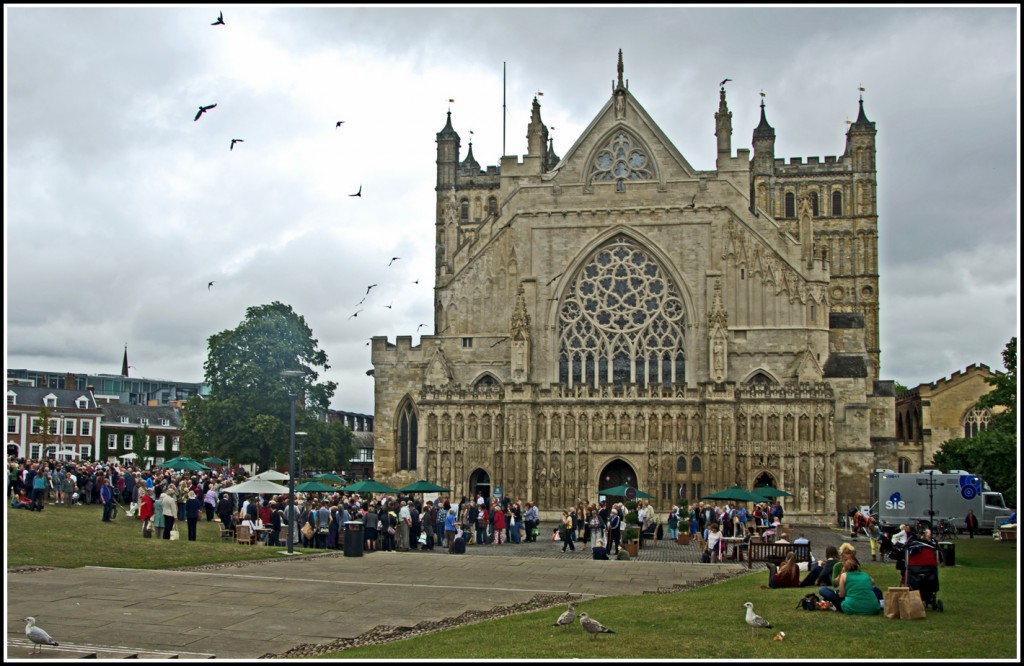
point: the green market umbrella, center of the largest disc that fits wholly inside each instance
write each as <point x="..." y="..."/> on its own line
<point x="736" y="494"/>
<point x="185" y="463"/>
<point x="623" y="491"/>
<point x="213" y="460"/>
<point x="369" y="487"/>
<point x="769" y="492"/>
<point x="423" y="486"/>
<point x="327" y="476"/>
<point x="314" y="487"/>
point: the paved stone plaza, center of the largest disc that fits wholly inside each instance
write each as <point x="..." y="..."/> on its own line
<point x="252" y="609"/>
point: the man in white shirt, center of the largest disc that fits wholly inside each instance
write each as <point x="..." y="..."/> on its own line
<point x="404" y="523"/>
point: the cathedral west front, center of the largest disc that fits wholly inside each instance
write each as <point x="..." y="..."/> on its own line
<point x="617" y="316"/>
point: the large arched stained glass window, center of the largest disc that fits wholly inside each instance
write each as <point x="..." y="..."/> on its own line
<point x="621" y="321"/>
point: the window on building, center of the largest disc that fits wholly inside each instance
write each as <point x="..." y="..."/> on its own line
<point x="69" y="426"/>
<point x="51" y="451"/>
<point x="175" y="443"/>
<point x="85" y="452"/>
<point x="814" y="204"/>
<point x="12" y="398"/>
<point x="903" y="466"/>
<point x="407" y="437"/>
<point x="695" y="464"/>
<point x="82" y="403"/>
<point x="35" y="428"/>
<point x="111" y="442"/>
<point x="790" y="204"/>
<point x="128" y="442"/>
<point x="976" y="420"/>
<point x="124" y="419"/>
<point x="12" y="425"/>
<point x="33" y="450"/>
<point x="160" y="440"/>
<point x="143" y="421"/>
<point x="837" y="203"/>
<point x="492" y="206"/>
<point x="54" y="426"/>
<point x="50" y="401"/>
<point x="464" y="210"/>
<point x="467" y="343"/>
<point x="86" y="428"/>
<point x="681" y="464"/>
<point x="165" y="422"/>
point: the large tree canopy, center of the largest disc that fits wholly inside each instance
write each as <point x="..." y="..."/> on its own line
<point x="992" y="454"/>
<point x="247" y="414"/>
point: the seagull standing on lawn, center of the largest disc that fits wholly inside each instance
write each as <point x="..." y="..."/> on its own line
<point x="754" y="620"/>
<point x="593" y="627"/>
<point x="37" y="635"/>
<point x="566" y="618"/>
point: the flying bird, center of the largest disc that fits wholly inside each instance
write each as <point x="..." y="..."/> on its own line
<point x="369" y="288"/>
<point x="37" y="635"/>
<point x="361" y="301"/>
<point x="566" y="618"/>
<point x="754" y="620"/>
<point x="234" y="141"/>
<point x="338" y="124"/>
<point x="355" y="314"/>
<point x="393" y="260"/>
<point x="692" y="202"/>
<point x="593" y="627"/>
<point x="554" y="278"/>
<point x="416" y="281"/>
<point x="220" y="19"/>
<point x="724" y="81"/>
<point x="389" y="305"/>
<point x="202" y="110"/>
<point x="209" y="284"/>
<point x="359" y="193"/>
<point x="420" y="326"/>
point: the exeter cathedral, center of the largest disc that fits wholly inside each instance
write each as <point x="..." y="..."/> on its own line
<point x="617" y="316"/>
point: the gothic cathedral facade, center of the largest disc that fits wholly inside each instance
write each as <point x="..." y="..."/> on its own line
<point x="617" y="316"/>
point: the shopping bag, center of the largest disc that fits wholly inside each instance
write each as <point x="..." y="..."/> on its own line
<point x="911" y="606"/>
<point x="892" y="601"/>
<point x="174" y="534"/>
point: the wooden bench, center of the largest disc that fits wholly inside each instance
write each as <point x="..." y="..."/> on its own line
<point x="760" y="551"/>
<point x="651" y="536"/>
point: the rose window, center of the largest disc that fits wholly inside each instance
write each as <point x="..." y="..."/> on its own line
<point x="622" y="159"/>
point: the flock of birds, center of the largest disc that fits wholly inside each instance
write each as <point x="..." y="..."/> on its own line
<point x="204" y="108"/>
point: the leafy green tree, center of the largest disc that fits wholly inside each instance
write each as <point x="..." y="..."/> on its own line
<point x="46" y="438"/>
<point x="992" y="453"/>
<point x="899" y="388"/>
<point x="247" y="414"/>
<point x="140" y="446"/>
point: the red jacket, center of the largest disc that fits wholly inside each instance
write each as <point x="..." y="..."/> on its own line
<point x="145" y="507"/>
<point x="499" y="520"/>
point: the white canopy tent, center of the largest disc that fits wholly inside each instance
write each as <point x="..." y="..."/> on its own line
<point x="256" y="486"/>
<point x="270" y="475"/>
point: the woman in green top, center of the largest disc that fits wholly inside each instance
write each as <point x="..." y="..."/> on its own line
<point x="857" y="592"/>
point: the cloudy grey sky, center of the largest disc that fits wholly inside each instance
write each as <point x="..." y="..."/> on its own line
<point x="119" y="208"/>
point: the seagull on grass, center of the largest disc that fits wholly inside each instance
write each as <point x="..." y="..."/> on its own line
<point x="754" y="620"/>
<point x="593" y="627"/>
<point x="37" y="635"/>
<point x="566" y="618"/>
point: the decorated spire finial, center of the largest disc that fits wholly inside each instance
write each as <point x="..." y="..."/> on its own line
<point x="620" y="68"/>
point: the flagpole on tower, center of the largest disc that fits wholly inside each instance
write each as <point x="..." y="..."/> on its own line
<point x="503" y="111"/>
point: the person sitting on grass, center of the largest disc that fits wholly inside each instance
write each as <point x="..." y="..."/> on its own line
<point x="821" y="573"/>
<point x="786" y="575"/>
<point x="599" y="551"/>
<point x="857" y="594"/>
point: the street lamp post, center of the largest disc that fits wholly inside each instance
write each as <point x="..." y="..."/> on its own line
<point x="291" y="462"/>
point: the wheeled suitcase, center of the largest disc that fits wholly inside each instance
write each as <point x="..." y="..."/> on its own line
<point x="459" y="546"/>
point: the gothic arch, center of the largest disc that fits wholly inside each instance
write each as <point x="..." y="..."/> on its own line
<point x="615" y="471"/>
<point x="487" y="379"/>
<point x="759" y="375"/>
<point x="636" y="144"/>
<point x="406" y="434"/>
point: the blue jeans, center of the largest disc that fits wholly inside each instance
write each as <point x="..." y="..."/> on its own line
<point x="828" y="594"/>
<point x="106" y="511"/>
<point x="481" y="534"/>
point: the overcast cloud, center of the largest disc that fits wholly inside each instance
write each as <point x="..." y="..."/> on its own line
<point x="119" y="208"/>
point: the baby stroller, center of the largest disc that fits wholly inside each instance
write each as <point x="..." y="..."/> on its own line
<point x="922" y="573"/>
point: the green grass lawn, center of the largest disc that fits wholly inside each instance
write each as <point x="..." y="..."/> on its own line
<point x="75" y="536"/>
<point x="979" y="622"/>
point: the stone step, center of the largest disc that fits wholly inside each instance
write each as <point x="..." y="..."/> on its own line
<point x="23" y="649"/>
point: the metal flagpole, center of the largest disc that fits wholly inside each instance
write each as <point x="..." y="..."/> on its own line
<point x="503" y="111"/>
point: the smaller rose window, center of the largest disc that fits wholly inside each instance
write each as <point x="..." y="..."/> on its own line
<point x="622" y="159"/>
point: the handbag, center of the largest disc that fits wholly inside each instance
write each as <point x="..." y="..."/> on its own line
<point x="911" y="606"/>
<point x="391" y="531"/>
<point x="174" y="534"/>
<point x="705" y="557"/>
<point x="307" y="531"/>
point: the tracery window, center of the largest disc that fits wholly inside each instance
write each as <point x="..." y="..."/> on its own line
<point x="622" y="159"/>
<point x="975" y="421"/>
<point x="407" y="436"/>
<point x="621" y="321"/>
<point x="681" y="464"/>
<point x="837" y="203"/>
<point x="790" y="204"/>
<point x="814" y="204"/>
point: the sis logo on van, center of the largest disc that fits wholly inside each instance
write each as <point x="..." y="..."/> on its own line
<point x="895" y="501"/>
<point x="970" y="486"/>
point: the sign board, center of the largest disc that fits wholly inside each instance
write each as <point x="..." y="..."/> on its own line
<point x="497" y="493"/>
<point x="631" y="493"/>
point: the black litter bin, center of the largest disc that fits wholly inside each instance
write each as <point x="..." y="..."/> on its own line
<point x="353" y="538"/>
<point x="948" y="551"/>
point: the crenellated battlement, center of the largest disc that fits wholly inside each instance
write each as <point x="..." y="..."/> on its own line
<point x="959" y="374"/>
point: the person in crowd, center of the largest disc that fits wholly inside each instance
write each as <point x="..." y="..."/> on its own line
<point x="565" y="532"/>
<point x="499" y="524"/>
<point x="388" y="529"/>
<point x="158" y="512"/>
<point x="451" y="528"/>
<point x="971" y="522"/>
<point x="596" y="528"/>
<point x="56" y="479"/>
<point x="38" y="485"/>
<point x="714" y="541"/>
<point x="371" y="523"/>
<point x="531" y="521"/>
<point x="483" y="520"/>
<point x="107" y="499"/>
<point x="874" y="535"/>
<point x="276" y="522"/>
<point x="169" y="506"/>
<point x="743" y="546"/>
<point x="210" y="503"/>
<point x="673" y="522"/>
<point x="428" y="523"/>
<point x="821" y="572"/>
<point x="68" y="486"/>
<point x="614" y="530"/>
<point x="21" y="501"/>
<point x="192" y="509"/>
<point x="785" y="575"/>
<point x="857" y="594"/>
<point x="225" y="512"/>
<point x="846" y="549"/>
<point x="599" y="552"/>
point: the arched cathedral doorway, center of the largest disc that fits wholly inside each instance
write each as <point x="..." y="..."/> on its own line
<point x="480" y="482"/>
<point x="616" y="473"/>
<point x="763" y="480"/>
